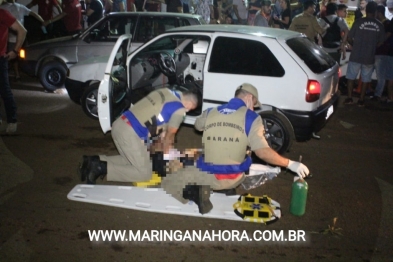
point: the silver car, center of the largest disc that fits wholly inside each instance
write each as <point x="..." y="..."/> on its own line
<point x="50" y="60"/>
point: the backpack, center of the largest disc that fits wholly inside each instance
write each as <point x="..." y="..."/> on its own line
<point x="332" y="38"/>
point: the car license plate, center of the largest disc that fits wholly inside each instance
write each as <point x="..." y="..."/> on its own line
<point x="329" y="112"/>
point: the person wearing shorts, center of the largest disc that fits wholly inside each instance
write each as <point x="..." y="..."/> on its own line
<point x="366" y="34"/>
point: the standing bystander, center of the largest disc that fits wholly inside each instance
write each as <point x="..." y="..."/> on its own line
<point x="8" y="21"/>
<point x="240" y="12"/>
<point x="361" y="10"/>
<point x="94" y="11"/>
<point x="19" y="12"/>
<point x="365" y="35"/>
<point x="389" y="9"/>
<point x="342" y="11"/>
<point x="307" y="23"/>
<point x="263" y="17"/>
<point x="383" y="61"/>
<point x="203" y="9"/>
<point x="335" y="38"/>
<point x="285" y="18"/>
<point x="45" y="10"/>
<point x="70" y="17"/>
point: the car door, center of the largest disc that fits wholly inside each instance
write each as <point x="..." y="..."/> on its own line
<point x="112" y="98"/>
<point x="103" y="35"/>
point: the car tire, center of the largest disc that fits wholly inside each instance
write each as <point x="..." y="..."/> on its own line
<point x="278" y="131"/>
<point x="89" y="101"/>
<point x="52" y="75"/>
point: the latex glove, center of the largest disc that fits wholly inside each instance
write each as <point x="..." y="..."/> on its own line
<point x="298" y="168"/>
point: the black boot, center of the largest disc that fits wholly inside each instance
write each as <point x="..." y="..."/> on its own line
<point x="159" y="164"/>
<point x="83" y="168"/>
<point x="200" y="195"/>
<point x="96" y="169"/>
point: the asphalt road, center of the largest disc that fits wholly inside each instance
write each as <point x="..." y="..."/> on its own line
<point x="352" y="166"/>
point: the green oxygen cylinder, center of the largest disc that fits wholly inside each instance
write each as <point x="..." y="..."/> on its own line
<point x="299" y="197"/>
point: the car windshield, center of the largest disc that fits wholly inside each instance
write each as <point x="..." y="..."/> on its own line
<point x="312" y="55"/>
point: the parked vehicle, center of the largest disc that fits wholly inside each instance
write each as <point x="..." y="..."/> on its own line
<point x="49" y="60"/>
<point x="297" y="81"/>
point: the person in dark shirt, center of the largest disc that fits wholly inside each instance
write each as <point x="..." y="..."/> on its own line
<point x="285" y="19"/>
<point x="94" y="11"/>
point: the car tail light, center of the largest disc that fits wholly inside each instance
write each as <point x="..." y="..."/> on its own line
<point x="22" y="54"/>
<point x="313" y="91"/>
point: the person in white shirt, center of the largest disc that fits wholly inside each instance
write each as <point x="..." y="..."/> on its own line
<point x="240" y="12"/>
<point x="389" y="9"/>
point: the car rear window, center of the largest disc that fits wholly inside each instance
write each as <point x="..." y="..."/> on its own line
<point x="243" y="57"/>
<point x="313" y="56"/>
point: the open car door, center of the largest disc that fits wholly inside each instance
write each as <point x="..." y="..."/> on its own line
<point x="112" y="93"/>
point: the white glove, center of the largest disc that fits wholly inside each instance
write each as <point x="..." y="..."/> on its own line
<point x="298" y="168"/>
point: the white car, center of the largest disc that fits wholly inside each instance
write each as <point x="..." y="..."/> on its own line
<point x="297" y="81"/>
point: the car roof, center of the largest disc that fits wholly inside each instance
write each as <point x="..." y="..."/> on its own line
<point x="114" y="14"/>
<point x="239" y="29"/>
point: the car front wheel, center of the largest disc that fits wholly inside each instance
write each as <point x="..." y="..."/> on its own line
<point x="278" y="131"/>
<point x="89" y="101"/>
<point x="52" y="75"/>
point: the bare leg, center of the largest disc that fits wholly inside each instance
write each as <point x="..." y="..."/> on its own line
<point x="363" y="92"/>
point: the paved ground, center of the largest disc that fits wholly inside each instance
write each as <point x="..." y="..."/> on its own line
<point x="352" y="181"/>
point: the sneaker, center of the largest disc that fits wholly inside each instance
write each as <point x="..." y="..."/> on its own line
<point x="360" y="103"/>
<point x="376" y="98"/>
<point x="11" y="128"/>
<point x="348" y="101"/>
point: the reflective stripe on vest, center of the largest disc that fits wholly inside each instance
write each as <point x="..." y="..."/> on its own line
<point x="224" y="169"/>
<point x="227" y="176"/>
<point x="140" y="130"/>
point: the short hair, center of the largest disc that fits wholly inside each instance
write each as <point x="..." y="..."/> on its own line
<point x="241" y="92"/>
<point x="193" y="96"/>
<point x="307" y="4"/>
<point x="371" y="7"/>
<point x="341" y="7"/>
<point x="331" y="9"/>
<point x="381" y="9"/>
